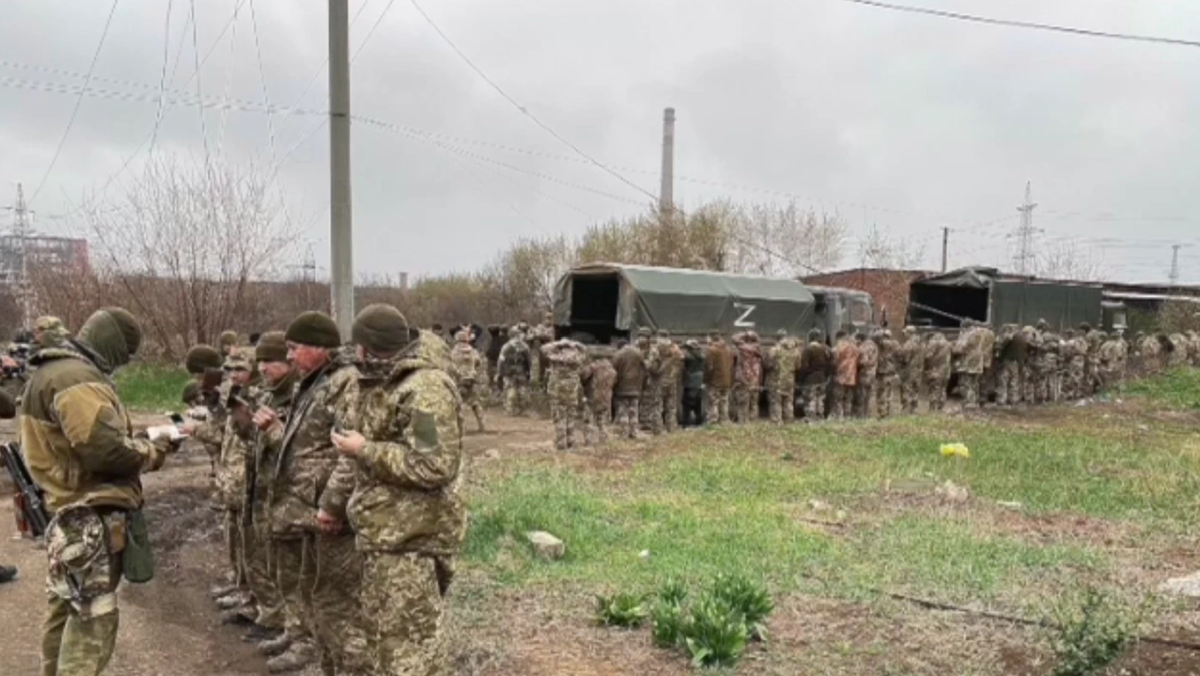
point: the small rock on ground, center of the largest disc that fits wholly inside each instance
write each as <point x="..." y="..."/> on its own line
<point x="1188" y="586"/>
<point x="546" y="545"/>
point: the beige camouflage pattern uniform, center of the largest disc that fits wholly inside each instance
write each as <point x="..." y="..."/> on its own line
<point x="468" y="369"/>
<point x="784" y="358"/>
<point x="672" y="377"/>
<point x="400" y="495"/>
<point x="887" y="380"/>
<point x="911" y="358"/>
<point x="868" y="368"/>
<point x="938" y="353"/>
<point x="318" y="573"/>
<point x="565" y="358"/>
<point x="598" y="377"/>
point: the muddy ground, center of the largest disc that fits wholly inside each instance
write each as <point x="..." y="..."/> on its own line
<point x="170" y="627"/>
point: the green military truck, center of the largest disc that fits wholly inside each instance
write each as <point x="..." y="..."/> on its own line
<point x="989" y="296"/>
<point x="598" y="303"/>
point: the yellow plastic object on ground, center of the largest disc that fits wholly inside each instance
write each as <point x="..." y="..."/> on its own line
<point x="960" y="450"/>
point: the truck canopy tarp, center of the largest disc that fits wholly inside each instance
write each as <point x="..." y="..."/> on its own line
<point x="691" y="301"/>
<point x="1013" y="300"/>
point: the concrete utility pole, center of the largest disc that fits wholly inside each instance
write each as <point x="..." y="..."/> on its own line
<point x="340" y="227"/>
<point x="18" y="275"/>
<point x="1025" y="255"/>
<point x="1175" y="265"/>
<point x="666" y="194"/>
<point x="945" y="246"/>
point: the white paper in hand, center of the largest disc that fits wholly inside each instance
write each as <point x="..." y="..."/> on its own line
<point x="170" y="432"/>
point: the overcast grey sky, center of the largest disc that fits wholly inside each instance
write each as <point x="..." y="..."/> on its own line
<point x="904" y="122"/>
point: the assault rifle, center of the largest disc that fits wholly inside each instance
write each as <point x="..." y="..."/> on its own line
<point x="29" y="500"/>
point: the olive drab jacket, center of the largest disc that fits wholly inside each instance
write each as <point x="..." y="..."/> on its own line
<point x="76" y="434"/>
<point x="306" y="457"/>
<point x="401" y="492"/>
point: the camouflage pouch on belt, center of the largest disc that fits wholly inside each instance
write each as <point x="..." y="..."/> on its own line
<point x="137" y="559"/>
<point x="83" y="569"/>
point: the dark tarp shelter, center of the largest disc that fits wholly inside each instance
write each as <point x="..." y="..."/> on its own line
<point x="606" y="300"/>
<point x="986" y="295"/>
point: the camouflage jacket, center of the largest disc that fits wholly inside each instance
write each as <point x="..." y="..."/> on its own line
<point x="566" y="358"/>
<point x="974" y="350"/>
<point x="748" y="372"/>
<point x="266" y="443"/>
<point x="599" y="378"/>
<point x="937" y="357"/>
<point x="672" y="363"/>
<point x="400" y="494"/>
<point x="234" y="460"/>
<point x="465" y="364"/>
<point x="868" y="361"/>
<point x="515" y="359"/>
<point x="77" y="437"/>
<point x="784" y="358"/>
<point x="845" y="362"/>
<point x="911" y="359"/>
<point x="306" y="456"/>
<point x="654" y="366"/>
<point x="888" y="359"/>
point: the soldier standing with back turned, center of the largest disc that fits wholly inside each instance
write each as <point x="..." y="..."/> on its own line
<point x="911" y="356"/>
<point x="565" y="359"/>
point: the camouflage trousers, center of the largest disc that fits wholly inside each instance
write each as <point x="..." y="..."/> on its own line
<point x="717" y="402"/>
<point x="234" y="539"/>
<point x="650" y="409"/>
<point x="260" y="573"/>
<point x="627" y="417"/>
<point x="937" y="386"/>
<point x="403" y="596"/>
<point x="295" y="572"/>
<point x="864" y="394"/>
<point x="564" y="406"/>
<point x="1054" y="386"/>
<point x="910" y="394"/>
<point x="469" y="392"/>
<point x="886" y="389"/>
<point x="516" y="396"/>
<point x="1033" y="384"/>
<point x="79" y="634"/>
<point x="782" y="404"/>
<point x="338" y="621"/>
<point x="969" y="383"/>
<point x="843" y="400"/>
<point x="745" y="403"/>
<point x="814" y="401"/>
<point x="596" y="414"/>
<point x="1008" y="384"/>
<point x="669" y="401"/>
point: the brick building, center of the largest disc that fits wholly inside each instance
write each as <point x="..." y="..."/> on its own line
<point x="888" y="288"/>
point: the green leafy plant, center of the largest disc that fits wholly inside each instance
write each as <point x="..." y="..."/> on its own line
<point x="714" y="634"/>
<point x="621" y="610"/>
<point x="746" y="597"/>
<point x="667" y="625"/>
<point x="672" y="592"/>
<point x="1091" y="632"/>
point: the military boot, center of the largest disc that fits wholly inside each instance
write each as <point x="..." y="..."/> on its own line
<point x="298" y="656"/>
<point x="243" y="616"/>
<point x="223" y="589"/>
<point x="275" y="646"/>
<point x="237" y="599"/>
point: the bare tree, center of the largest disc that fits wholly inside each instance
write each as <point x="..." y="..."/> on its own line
<point x="1067" y="261"/>
<point x="185" y="242"/>
<point x="785" y="240"/>
<point x="878" y="250"/>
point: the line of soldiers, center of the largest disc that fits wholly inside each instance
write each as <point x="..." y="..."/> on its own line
<point x="655" y="384"/>
<point x="337" y="469"/>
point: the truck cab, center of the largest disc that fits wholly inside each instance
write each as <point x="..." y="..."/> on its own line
<point x="839" y="309"/>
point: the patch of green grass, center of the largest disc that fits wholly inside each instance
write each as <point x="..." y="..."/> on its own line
<point x="146" y="386"/>
<point x="1178" y="388"/>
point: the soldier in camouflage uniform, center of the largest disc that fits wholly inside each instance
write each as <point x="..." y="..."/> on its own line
<point x="719" y="363"/>
<point x="397" y="484"/>
<point x="1112" y="362"/>
<point x="783" y="360"/>
<point x="49" y="332"/>
<point x="887" y="380"/>
<point x="816" y="365"/>
<point x="845" y="380"/>
<point x="78" y="441"/>
<point x="598" y="378"/>
<point x="230" y="476"/>
<point x="565" y="358"/>
<point x="748" y="376"/>
<point x="305" y="459"/>
<point x="227" y="341"/>
<point x="1012" y="358"/>
<point x="514" y="367"/>
<point x="650" y="409"/>
<point x="971" y="349"/>
<point x="468" y="369"/>
<point x="672" y="377"/>
<point x="1052" y="345"/>
<point x="938" y="354"/>
<point x="1091" y="373"/>
<point x="911" y="360"/>
<point x="275" y="393"/>
<point x="630" y="367"/>
<point x="868" y="369"/>
<point x="538" y="337"/>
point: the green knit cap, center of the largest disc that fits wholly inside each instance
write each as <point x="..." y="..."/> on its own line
<point x="190" y="392"/>
<point x="227" y="339"/>
<point x="272" y="346"/>
<point x="381" y="329"/>
<point x="316" y="329"/>
<point x="201" y="358"/>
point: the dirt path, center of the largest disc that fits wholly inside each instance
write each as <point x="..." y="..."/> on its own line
<point x="170" y="626"/>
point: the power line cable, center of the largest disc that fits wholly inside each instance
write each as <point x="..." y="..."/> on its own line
<point x="525" y="111"/>
<point x="1024" y="24"/>
<point x="199" y="92"/>
<point x="228" y="83"/>
<point x="78" y="102"/>
<point x="162" y="78"/>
